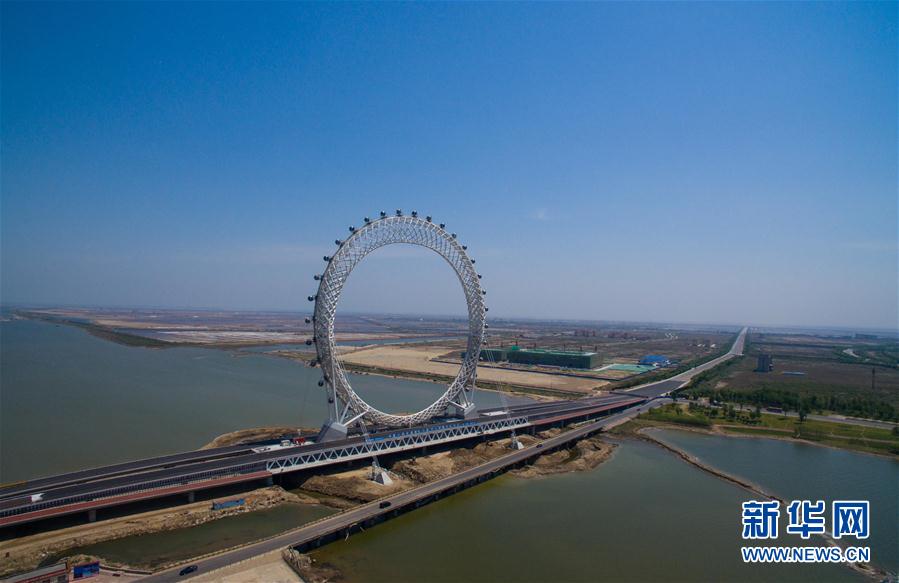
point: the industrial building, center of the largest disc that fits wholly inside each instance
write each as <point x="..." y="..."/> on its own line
<point x="655" y="360"/>
<point x="542" y="357"/>
<point x="765" y="363"/>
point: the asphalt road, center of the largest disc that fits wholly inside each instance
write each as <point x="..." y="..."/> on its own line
<point x="348" y="518"/>
<point x="661" y="388"/>
<point x="180" y="468"/>
<point x="41" y="484"/>
<point x="178" y="465"/>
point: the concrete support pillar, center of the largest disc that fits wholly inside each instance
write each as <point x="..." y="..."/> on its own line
<point x="92" y="516"/>
<point x="270" y="481"/>
<point x="191" y="497"/>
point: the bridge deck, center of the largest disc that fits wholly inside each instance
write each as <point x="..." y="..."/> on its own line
<point x="191" y="471"/>
<point x="344" y="523"/>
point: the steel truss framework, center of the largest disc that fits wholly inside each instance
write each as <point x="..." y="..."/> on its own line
<point x="345" y="406"/>
<point x="399" y="441"/>
<point x="402" y="439"/>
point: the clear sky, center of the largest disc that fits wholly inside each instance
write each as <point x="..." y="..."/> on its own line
<point x="716" y="162"/>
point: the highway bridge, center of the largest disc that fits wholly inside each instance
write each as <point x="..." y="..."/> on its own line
<point x="189" y="472"/>
<point x="352" y="520"/>
<point x="90" y="490"/>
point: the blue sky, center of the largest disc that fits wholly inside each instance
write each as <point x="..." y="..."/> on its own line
<point x="729" y="163"/>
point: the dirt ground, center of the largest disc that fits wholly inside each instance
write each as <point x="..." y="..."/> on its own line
<point x="585" y="455"/>
<point x="821" y="377"/>
<point x="355" y="485"/>
<point x="267" y="568"/>
<point x="255" y="434"/>
<point x="27" y="551"/>
<point x="340" y="490"/>
<point x="419" y="359"/>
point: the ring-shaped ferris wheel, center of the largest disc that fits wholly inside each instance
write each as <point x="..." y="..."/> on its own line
<point x="345" y="405"/>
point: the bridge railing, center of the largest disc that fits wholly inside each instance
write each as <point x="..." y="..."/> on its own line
<point x="400" y="440"/>
<point x="136" y="488"/>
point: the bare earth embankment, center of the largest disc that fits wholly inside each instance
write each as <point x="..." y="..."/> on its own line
<point x="420" y="359"/>
<point x="28" y="551"/>
<point x="338" y="490"/>
<point x="585" y="455"/>
<point x="644" y="432"/>
<point x="253" y="435"/>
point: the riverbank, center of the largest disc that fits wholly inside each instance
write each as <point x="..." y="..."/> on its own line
<point x="584" y="455"/>
<point x="533" y="392"/>
<point x="254" y="435"/>
<point x="347" y="488"/>
<point x="753" y="423"/>
<point x="338" y="490"/>
<point x="644" y="430"/>
<point x="29" y="551"/>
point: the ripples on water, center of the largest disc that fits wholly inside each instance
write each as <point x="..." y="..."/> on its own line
<point x="645" y="515"/>
<point x="800" y="471"/>
<point x="71" y="400"/>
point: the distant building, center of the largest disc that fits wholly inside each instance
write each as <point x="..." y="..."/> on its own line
<point x="561" y="358"/>
<point x="542" y="357"/>
<point x="494" y="354"/>
<point x="765" y="363"/>
<point x="655" y="360"/>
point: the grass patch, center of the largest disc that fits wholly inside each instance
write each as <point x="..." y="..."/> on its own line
<point x="745" y="422"/>
<point x="677" y="415"/>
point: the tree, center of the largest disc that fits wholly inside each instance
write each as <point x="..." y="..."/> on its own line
<point x="801" y="414"/>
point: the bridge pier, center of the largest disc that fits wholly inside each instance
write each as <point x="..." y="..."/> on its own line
<point x="92" y="515"/>
<point x="270" y="481"/>
<point x="191" y="497"/>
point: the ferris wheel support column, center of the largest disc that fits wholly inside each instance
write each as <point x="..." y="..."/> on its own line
<point x="468" y="411"/>
<point x="331" y="431"/>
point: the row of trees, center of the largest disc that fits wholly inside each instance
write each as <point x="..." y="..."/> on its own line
<point x="802" y="403"/>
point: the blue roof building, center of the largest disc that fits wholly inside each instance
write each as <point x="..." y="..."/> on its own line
<point x="655" y="360"/>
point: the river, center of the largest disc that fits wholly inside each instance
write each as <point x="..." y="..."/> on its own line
<point x="801" y="471"/>
<point x="70" y="400"/>
<point x="644" y="515"/>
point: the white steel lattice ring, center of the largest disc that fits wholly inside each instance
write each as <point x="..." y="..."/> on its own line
<point x="388" y="230"/>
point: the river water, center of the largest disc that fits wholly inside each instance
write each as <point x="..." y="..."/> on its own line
<point x="644" y="515"/>
<point x="69" y="400"/>
<point x="148" y="551"/>
<point x="799" y="471"/>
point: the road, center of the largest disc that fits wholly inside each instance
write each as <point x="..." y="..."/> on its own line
<point x="837" y="419"/>
<point x="356" y="515"/>
<point x="348" y="518"/>
<point x="848" y="420"/>
<point x="179" y="468"/>
<point x="113" y="485"/>
<point x="660" y="388"/>
<point x="169" y="470"/>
